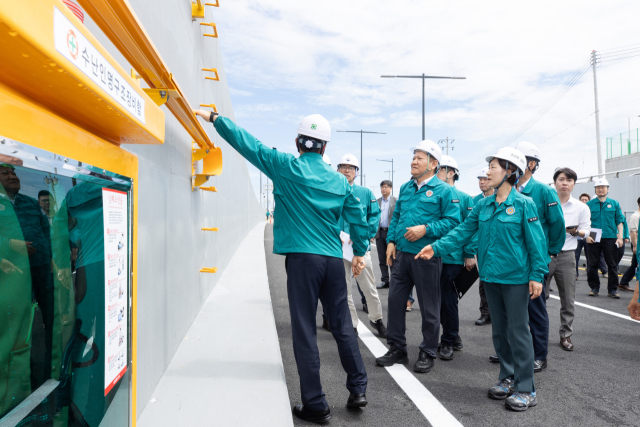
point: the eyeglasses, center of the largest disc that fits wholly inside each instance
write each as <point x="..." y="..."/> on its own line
<point x="347" y="168"/>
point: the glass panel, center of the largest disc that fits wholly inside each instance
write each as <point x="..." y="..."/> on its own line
<point x="64" y="291"/>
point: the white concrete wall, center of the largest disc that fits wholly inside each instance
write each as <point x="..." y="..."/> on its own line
<point x="171" y="246"/>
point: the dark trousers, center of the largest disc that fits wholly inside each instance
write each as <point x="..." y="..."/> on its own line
<point x="425" y="276"/>
<point x="309" y="278"/>
<point x="449" y="303"/>
<point x="539" y="323"/>
<point x="608" y="247"/>
<point x="620" y="255"/>
<point x="381" y="245"/>
<point x="581" y="244"/>
<point x="602" y="265"/>
<point x="511" y="337"/>
<point x="484" y="305"/>
<point x="631" y="271"/>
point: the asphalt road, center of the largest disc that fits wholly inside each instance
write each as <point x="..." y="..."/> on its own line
<point x="598" y="384"/>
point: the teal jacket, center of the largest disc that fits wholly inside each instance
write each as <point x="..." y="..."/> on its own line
<point x="477" y="198"/>
<point x="511" y="242"/>
<point x="369" y="205"/>
<point x="310" y="197"/>
<point x="606" y="216"/>
<point x="549" y="213"/>
<point x="470" y="249"/>
<point x="434" y="205"/>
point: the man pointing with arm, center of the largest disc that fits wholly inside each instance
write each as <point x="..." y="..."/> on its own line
<point x="310" y="199"/>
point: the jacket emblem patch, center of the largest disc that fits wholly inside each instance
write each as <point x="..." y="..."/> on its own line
<point x="429" y="193"/>
<point x="535" y="218"/>
<point x="511" y="210"/>
<point x="455" y="201"/>
<point x="608" y="206"/>
<point x="2" y="207"/>
<point x="552" y="204"/>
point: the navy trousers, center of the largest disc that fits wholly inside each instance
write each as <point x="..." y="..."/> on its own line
<point x="449" y="303"/>
<point x="406" y="273"/>
<point x="539" y="323"/>
<point x="311" y="277"/>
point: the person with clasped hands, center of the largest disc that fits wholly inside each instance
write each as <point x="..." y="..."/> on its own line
<point x="512" y="262"/>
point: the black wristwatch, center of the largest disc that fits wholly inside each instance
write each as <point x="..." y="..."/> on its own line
<point x="211" y="116"/>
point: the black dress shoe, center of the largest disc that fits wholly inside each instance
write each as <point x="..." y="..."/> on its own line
<point x="483" y="320"/>
<point x="494" y="359"/>
<point x="325" y="324"/>
<point x="357" y="400"/>
<point x="394" y="355"/>
<point x="446" y="351"/>
<point x="365" y="308"/>
<point x="382" y="286"/>
<point x="378" y="325"/>
<point x="318" y="417"/>
<point x="539" y="365"/>
<point x="424" y="363"/>
<point x="457" y="346"/>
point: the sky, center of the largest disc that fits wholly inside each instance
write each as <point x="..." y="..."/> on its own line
<point x="288" y="59"/>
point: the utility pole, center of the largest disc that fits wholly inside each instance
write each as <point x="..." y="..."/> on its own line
<point x="423" y="77"/>
<point x="390" y="161"/>
<point x="361" y="132"/>
<point x="446" y="143"/>
<point x="594" y="60"/>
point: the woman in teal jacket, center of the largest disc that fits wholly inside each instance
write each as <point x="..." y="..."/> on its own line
<point x="512" y="265"/>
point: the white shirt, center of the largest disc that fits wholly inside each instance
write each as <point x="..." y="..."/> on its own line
<point x="384" y="214"/>
<point x="633" y="221"/>
<point x="521" y="187"/>
<point x="575" y="213"/>
<point x="4" y="196"/>
<point x="423" y="183"/>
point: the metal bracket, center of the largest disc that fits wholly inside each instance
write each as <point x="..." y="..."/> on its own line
<point x="212" y="189"/>
<point x="210" y="229"/>
<point x="209" y="270"/>
<point x="161" y="96"/>
<point x="212" y="25"/>
<point x="212" y="70"/>
<point x="197" y="9"/>
<point x="210" y="106"/>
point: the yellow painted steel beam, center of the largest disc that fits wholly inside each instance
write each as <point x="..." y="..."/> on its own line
<point x="209" y="270"/>
<point x="121" y="25"/>
<point x="161" y="96"/>
<point x="54" y="67"/>
<point x="212" y="189"/>
<point x="210" y="229"/>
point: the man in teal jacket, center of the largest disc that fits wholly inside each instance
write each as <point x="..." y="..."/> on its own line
<point x="607" y="216"/>
<point x="310" y="199"/>
<point x="452" y="264"/>
<point x="349" y="166"/>
<point x="552" y="220"/>
<point x="425" y="211"/>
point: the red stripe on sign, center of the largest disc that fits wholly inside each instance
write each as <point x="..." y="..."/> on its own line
<point x="115" y="381"/>
<point x="114" y="191"/>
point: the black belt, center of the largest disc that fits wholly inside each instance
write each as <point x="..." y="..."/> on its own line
<point x="383" y="228"/>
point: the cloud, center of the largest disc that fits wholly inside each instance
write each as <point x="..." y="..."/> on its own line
<point x="238" y="92"/>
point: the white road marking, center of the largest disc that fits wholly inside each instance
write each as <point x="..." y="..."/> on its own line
<point x="596" y="309"/>
<point x="430" y="407"/>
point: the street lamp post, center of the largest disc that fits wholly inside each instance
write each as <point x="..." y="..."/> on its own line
<point x="361" y="132"/>
<point x="424" y="77"/>
<point x="390" y="161"/>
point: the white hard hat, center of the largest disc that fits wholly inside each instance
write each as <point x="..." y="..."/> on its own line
<point x="326" y="159"/>
<point x="529" y="150"/>
<point x="349" y="159"/>
<point x="429" y="147"/>
<point x="315" y="126"/>
<point x="483" y="173"/>
<point x="511" y="155"/>
<point x="449" y="162"/>
<point x="600" y="181"/>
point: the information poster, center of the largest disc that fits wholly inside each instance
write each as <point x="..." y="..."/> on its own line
<point x="116" y="267"/>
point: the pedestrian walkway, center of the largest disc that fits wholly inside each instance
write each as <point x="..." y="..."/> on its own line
<point x="228" y="370"/>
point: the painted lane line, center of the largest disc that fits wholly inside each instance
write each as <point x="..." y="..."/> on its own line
<point x="622" y="316"/>
<point x="430" y="407"/>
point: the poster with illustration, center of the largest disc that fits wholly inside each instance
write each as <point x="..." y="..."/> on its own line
<point x="116" y="266"/>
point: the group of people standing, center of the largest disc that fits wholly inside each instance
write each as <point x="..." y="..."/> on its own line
<point x="516" y="233"/>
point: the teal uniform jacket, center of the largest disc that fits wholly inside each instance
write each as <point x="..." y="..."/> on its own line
<point x="370" y="207"/>
<point x="477" y="198"/>
<point x="549" y="213"/>
<point x="310" y="197"/>
<point x="434" y="205"/>
<point x="606" y="216"/>
<point x="511" y="242"/>
<point x="470" y="249"/>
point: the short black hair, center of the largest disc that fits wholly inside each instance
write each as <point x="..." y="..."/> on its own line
<point x="512" y="168"/>
<point x="589" y="197"/>
<point x="638" y="201"/>
<point x="390" y="184"/>
<point x="569" y="173"/>
<point x="316" y="143"/>
<point x="43" y="193"/>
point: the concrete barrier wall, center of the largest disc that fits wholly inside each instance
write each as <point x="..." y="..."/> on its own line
<point x="171" y="246"/>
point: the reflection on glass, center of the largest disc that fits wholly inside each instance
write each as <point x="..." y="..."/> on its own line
<point x="52" y="293"/>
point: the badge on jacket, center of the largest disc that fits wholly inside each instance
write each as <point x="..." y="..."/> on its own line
<point x="429" y="193"/>
<point x="608" y="206"/>
<point x="511" y="210"/>
<point x="2" y="208"/>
